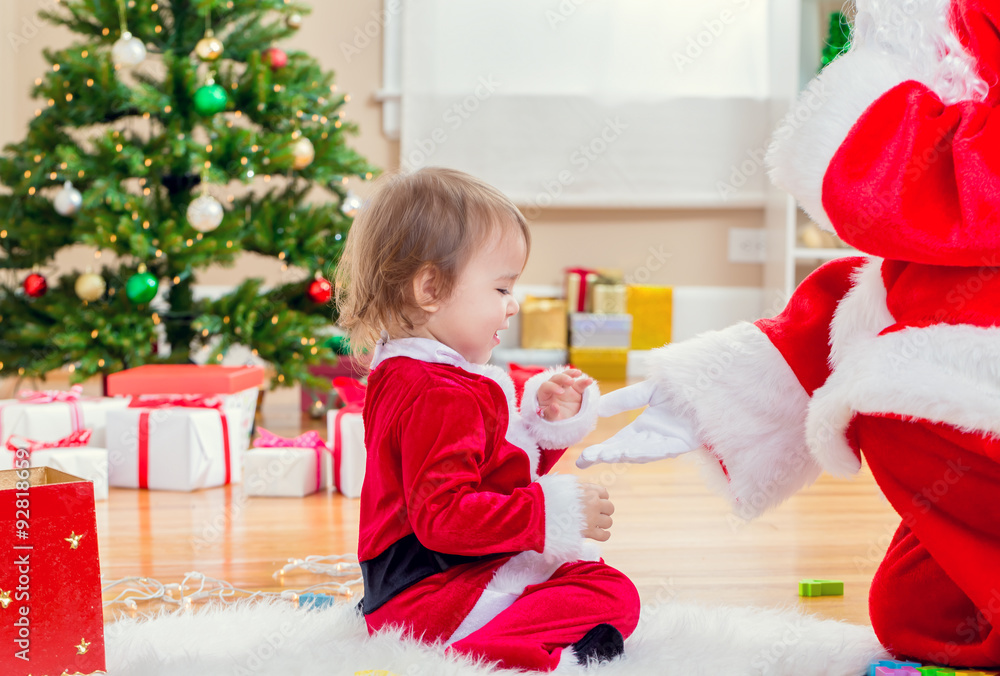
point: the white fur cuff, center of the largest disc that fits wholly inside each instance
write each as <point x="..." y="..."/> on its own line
<point x="747" y="406"/>
<point x="561" y="433"/>
<point x="564" y="522"/>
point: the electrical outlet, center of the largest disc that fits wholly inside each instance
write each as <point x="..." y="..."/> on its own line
<point x="747" y="245"/>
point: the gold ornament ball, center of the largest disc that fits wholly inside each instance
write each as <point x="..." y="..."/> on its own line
<point x="90" y="287"/>
<point x="303" y="153"/>
<point x="209" y="48"/>
<point x="294" y="21"/>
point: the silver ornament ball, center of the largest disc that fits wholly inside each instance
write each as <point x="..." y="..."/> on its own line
<point x="68" y="200"/>
<point x="294" y="21"/>
<point x="128" y="51"/>
<point x="205" y="213"/>
<point x="350" y="205"/>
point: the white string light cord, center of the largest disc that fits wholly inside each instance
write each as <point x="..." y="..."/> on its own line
<point x="197" y="587"/>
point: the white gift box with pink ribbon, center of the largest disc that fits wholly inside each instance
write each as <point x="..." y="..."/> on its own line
<point x="346" y="462"/>
<point x="50" y="415"/>
<point x="185" y="444"/>
<point x="73" y="455"/>
<point x="280" y="467"/>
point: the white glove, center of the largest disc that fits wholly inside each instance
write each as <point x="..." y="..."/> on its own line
<point x="656" y="434"/>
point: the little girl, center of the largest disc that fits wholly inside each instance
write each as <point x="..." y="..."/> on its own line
<point x="465" y="538"/>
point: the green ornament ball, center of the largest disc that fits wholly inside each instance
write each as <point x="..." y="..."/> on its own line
<point x="210" y="99"/>
<point x="141" y="287"/>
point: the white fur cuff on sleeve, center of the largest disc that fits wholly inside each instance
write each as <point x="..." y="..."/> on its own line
<point x="564" y="521"/>
<point x="561" y="433"/>
<point x="748" y="407"/>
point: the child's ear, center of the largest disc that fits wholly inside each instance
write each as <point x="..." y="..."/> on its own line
<point x="425" y="288"/>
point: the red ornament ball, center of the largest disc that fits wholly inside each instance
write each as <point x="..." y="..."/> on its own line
<point x="276" y="58"/>
<point x="35" y="285"/>
<point x="320" y="291"/>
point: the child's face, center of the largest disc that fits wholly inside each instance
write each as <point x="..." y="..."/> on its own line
<point x="482" y="301"/>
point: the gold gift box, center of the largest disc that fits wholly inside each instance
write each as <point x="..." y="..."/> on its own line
<point x="601" y="363"/>
<point x="609" y="299"/>
<point x="543" y="324"/>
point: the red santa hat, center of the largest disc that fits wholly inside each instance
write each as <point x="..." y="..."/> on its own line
<point x="896" y="145"/>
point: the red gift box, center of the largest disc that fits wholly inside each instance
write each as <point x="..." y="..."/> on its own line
<point x="50" y="582"/>
<point x="185" y="379"/>
<point x="344" y="367"/>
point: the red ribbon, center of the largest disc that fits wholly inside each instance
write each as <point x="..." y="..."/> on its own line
<point x="149" y="401"/>
<point x="312" y="440"/>
<point x="581" y="294"/>
<point x="78" y="438"/>
<point x="352" y="393"/>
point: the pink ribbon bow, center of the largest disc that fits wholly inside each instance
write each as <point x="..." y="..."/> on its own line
<point x="78" y="438"/>
<point x="50" y="396"/>
<point x="268" y="439"/>
<point x="172" y="400"/>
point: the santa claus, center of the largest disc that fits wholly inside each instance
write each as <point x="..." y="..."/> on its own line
<point x="894" y="355"/>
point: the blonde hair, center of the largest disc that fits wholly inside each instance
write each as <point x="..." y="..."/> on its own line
<point x="433" y="217"/>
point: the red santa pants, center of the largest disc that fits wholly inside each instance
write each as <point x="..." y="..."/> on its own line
<point x="532" y="632"/>
<point x="936" y="595"/>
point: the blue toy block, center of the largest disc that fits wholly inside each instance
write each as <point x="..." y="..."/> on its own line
<point x="316" y="601"/>
<point x="892" y="665"/>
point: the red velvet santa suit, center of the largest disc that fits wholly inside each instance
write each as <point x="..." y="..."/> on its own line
<point x="894" y="358"/>
<point x="465" y="537"/>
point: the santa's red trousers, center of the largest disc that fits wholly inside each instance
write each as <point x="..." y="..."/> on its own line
<point x="936" y="595"/>
<point x="532" y="632"/>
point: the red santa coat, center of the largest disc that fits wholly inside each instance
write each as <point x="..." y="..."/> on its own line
<point x="901" y="362"/>
<point x="455" y="469"/>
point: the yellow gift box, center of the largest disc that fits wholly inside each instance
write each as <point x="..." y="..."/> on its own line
<point x="651" y="308"/>
<point x="543" y="324"/>
<point x="601" y="363"/>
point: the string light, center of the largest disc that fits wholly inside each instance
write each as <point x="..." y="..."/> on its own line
<point x="93" y="334"/>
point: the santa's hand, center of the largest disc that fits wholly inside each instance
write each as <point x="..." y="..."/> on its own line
<point x="656" y="434"/>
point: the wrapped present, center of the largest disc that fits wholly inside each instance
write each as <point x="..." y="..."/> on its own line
<point x="73" y="455"/>
<point x="174" y="443"/>
<point x="579" y="287"/>
<point x="651" y="308"/>
<point x="346" y="433"/>
<point x="315" y="397"/>
<point x="49" y="415"/>
<point x="50" y="580"/>
<point x="609" y="299"/>
<point x="587" y="329"/>
<point x="281" y="467"/>
<point x="235" y="386"/>
<point x="543" y="323"/>
<point x="601" y="363"/>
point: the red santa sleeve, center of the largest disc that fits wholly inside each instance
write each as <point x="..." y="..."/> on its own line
<point x="745" y="391"/>
<point x="554" y="437"/>
<point x="443" y="440"/>
<point x="918" y="180"/>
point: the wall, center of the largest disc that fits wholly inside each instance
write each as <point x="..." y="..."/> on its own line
<point x="656" y="246"/>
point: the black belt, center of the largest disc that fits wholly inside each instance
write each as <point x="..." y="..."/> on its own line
<point x="403" y="564"/>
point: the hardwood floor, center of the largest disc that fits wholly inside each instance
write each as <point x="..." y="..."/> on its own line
<point x="673" y="537"/>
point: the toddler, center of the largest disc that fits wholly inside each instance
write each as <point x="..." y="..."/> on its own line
<point x="465" y="538"/>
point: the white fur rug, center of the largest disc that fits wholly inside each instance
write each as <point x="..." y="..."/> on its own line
<point x="278" y="639"/>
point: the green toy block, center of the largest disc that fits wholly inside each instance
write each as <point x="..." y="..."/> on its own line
<point x="821" y="588"/>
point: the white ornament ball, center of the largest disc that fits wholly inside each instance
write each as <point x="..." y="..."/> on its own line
<point x="303" y="153"/>
<point x="68" y="200"/>
<point x="205" y="213"/>
<point x="90" y="287"/>
<point x="350" y="205"/>
<point x="128" y="51"/>
<point x="294" y="21"/>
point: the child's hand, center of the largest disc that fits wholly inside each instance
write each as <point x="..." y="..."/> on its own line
<point x="561" y="395"/>
<point x="597" y="510"/>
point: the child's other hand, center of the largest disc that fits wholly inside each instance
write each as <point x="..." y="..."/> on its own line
<point x="561" y="395"/>
<point x="597" y="510"/>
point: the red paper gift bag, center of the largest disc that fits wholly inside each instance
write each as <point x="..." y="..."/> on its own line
<point x="50" y="580"/>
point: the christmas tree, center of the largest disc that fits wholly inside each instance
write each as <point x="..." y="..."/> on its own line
<point x="174" y="135"/>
